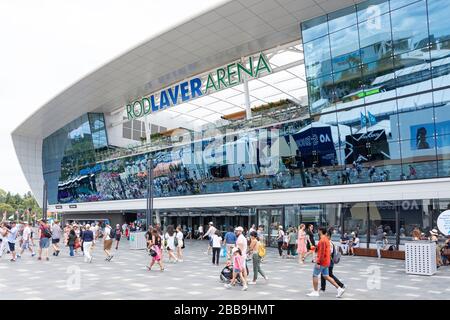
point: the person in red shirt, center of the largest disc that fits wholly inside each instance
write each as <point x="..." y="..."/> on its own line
<point x="322" y="264"/>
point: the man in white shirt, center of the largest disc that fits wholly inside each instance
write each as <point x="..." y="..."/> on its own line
<point x="211" y="231"/>
<point x="12" y="236"/>
<point x="107" y="243"/>
<point x="242" y="244"/>
<point x="26" y="240"/>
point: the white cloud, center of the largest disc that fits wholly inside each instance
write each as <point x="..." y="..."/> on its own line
<point x="47" y="45"/>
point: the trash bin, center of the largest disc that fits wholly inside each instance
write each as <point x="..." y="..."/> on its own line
<point x="420" y="257"/>
<point x="137" y="241"/>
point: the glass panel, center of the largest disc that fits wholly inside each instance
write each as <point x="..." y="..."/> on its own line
<point x="342" y="19"/>
<point x="413" y="219"/>
<point x="317" y="58"/>
<point x="412" y="72"/>
<point x="439" y="25"/>
<point x="375" y="38"/>
<point x="314" y="28"/>
<point x="395" y="4"/>
<point x="292" y="216"/>
<point x="372" y="8"/>
<point x="347" y="87"/>
<point x="382" y="216"/>
<point x="410" y="27"/>
<point x="443" y="154"/>
<point x="416" y="118"/>
<point x="378" y="80"/>
<point x="345" y="49"/>
<point x="320" y="93"/>
<point x="418" y="163"/>
<point x="355" y="220"/>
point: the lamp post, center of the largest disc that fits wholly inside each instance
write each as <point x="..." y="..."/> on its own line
<point x="149" y="213"/>
<point x="44" y="202"/>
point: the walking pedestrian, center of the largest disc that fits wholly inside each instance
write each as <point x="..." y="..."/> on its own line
<point x="238" y="269"/>
<point x="26" y="240"/>
<point x="155" y="244"/>
<point x="71" y="238"/>
<point x="254" y="250"/>
<point x="87" y="237"/>
<point x="280" y="240"/>
<point x="118" y="235"/>
<point x="216" y="246"/>
<point x="229" y="241"/>
<point x="180" y="243"/>
<point x="108" y="237"/>
<point x="379" y="240"/>
<point x="56" y="237"/>
<point x="242" y="244"/>
<point x="171" y="245"/>
<point x="44" y="235"/>
<point x="211" y="231"/>
<point x="12" y="236"/>
<point x="301" y="243"/>
<point x="310" y="243"/>
<point x="322" y="264"/>
<point x="334" y="252"/>
<point x="3" y="238"/>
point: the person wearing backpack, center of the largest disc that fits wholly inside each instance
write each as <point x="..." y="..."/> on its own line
<point x="257" y="251"/>
<point x="335" y="258"/>
<point x="44" y="235"/>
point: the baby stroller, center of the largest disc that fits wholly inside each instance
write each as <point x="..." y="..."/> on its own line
<point x="227" y="274"/>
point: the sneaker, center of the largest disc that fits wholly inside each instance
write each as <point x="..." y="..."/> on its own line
<point x="13" y="260"/>
<point x="266" y="278"/>
<point x="340" y="292"/>
<point x="110" y="258"/>
<point x="252" y="282"/>
<point x="244" y="288"/>
<point x="39" y="258"/>
<point x="18" y="256"/>
<point x="313" y="294"/>
<point x="33" y="254"/>
<point x="228" y="286"/>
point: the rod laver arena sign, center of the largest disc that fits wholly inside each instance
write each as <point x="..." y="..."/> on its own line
<point x="222" y="78"/>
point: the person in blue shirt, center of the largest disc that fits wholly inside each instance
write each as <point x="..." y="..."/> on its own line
<point x="229" y="240"/>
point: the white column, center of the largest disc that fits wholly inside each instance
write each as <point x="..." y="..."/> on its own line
<point x="248" y="110"/>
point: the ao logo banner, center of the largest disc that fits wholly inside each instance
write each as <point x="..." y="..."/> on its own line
<point x="443" y="222"/>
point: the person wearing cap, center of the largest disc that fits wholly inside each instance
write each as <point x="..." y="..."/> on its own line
<point x="26" y="240"/>
<point x="211" y="231"/>
<point x="242" y="244"/>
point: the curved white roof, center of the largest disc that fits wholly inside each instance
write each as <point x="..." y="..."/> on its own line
<point x="235" y="29"/>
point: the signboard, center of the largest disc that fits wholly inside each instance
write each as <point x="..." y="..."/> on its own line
<point x="319" y="141"/>
<point x="222" y="78"/>
<point x="443" y="222"/>
<point x="365" y="147"/>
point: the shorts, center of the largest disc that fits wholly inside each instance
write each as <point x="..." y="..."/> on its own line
<point x="237" y="271"/>
<point x="321" y="270"/>
<point x="55" y="241"/>
<point x="12" y="246"/>
<point x="107" y="244"/>
<point x="44" y="243"/>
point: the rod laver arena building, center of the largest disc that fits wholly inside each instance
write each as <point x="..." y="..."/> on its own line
<point x="273" y="112"/>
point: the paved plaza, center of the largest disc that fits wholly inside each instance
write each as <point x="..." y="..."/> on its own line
<point x="126" y="277"/>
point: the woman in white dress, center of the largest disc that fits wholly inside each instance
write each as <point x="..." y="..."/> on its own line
<point x="171" y="243"/>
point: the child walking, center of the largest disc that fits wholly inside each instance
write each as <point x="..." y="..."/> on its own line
<point x="238" y="269"/>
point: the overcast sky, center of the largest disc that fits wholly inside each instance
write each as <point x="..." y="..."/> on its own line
<point x="47" y="45"/>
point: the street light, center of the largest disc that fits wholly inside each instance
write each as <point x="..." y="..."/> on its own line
<point x="149" y="213"/>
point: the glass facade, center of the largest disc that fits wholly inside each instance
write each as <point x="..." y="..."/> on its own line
<point x="69" y="151"/>
<point x="378" y="83"/>
<point x="378" y="72"/>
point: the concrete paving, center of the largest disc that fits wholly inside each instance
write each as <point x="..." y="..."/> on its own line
<point x="126" y="277"/>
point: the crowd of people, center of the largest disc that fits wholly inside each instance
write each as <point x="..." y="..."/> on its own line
<point x="243" y="251"/>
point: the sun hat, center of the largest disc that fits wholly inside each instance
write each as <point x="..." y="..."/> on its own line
<point x="239" y="229"/>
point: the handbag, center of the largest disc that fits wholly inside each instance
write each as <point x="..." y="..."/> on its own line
<point x="446" y="252"/>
